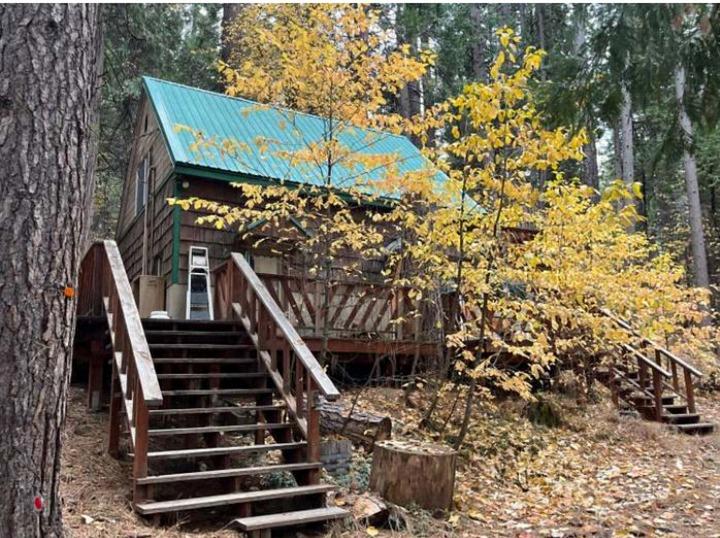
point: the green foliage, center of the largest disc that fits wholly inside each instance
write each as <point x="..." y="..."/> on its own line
<point x="172" y="41"/>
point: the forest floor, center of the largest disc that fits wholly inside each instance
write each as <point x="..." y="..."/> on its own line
<point x="596" y="474"/>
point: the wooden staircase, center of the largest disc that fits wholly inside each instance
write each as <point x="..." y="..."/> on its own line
<point x="220" y="416"/>
<point x="656" y="383"/>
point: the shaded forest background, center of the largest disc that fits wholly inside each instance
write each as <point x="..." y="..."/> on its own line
<point x="609" y="69"/>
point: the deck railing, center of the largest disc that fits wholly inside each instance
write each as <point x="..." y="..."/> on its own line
<point x="355" y="309"/>
<point x="668" y="371"/>
<point x="296" y="373"/>
<point x="104" y="287"/>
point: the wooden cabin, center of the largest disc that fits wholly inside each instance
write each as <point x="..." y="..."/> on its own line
<point x="155" y="238"/>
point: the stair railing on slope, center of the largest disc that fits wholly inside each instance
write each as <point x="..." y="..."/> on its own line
<point x="104" y="287"/>
<point x="667" y="369"/>
<point x="298" y="376"/>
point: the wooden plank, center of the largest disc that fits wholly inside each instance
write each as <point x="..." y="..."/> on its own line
<point x="217" y="392"/>
<point x="219" y="347"/>
<point x="225" y="473"/>
<point x="214" y="375"/>
<point x="229" y="498"/>
<point x="219" y="429"/>
<point x="287" y="519"/>
<point x="144" y="366"/>
<point x="222" y="451"/>
<point x="220" y="409"/>
<point x="204" y="360"/>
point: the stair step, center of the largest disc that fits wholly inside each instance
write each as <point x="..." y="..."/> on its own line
<point x="225" y="473"/>
<point x="682" y="418"/>
<point x="200" y="322"/>
<point x="222" y="347"/>
<point x="204" y="360"/>
<point x="213" y="375"/>
<point x="198" y="332"/>
<point x="217" y="392"/>
<point x="675" y="408"/>
<point x="228" y="499"/>
<point x="666" y="400"/>
<point x="696" y="428"/>
<point x="287" y="519"/>
<point x="222" y="451"/>
<point x="221" y="429"/>
<point x="209" y="410"/>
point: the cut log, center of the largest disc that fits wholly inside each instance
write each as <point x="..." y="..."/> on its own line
<point x="358" y="426"/>
<point x="414" y="473"/>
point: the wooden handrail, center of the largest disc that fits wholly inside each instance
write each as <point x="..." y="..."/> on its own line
<point x="674" y="358"/>
<point x="104" y="286"/>
<point x="673" y="363"/>
<point x="294" y="370"/>
<point x="112" y="286"/>
<point x="642" y="358"/>
<point x="287" y="331"/>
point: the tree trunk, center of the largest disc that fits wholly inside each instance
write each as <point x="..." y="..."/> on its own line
<point x="358" y="426"/>
<point x="697" y="234"/>
<point x="414" y="473"/>
<point x="617" y="151"/>
<point x="590" y="162"/>
<point x="49" y="60"/>
<point x="230" y="12"/>
<point x="478" y="43"/>
<point x="627" y="154"/>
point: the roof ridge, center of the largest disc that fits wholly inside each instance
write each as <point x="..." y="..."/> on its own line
<point x="251" y="102"/>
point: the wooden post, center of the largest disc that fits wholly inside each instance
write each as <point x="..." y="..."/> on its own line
<point x="642" y="379"/>
<point x="689" y="390"/>
<point x="299" y="406"/>
<point x="673" y="370"/>
<point x="614" y="386"/>
<point x="657" y="393"/>
<point x="115" y="403"/>
<point x="286" y="373"/>
<point x="95" y="370"/>
<point x="140" y="465"/>
<point x="313" y="430"/>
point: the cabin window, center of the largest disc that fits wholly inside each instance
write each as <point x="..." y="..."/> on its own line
<point x="141" y="180"/>
<point x="145" y="126"/>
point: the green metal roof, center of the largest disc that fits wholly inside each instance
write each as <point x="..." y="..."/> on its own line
<point x="247" y="123"/>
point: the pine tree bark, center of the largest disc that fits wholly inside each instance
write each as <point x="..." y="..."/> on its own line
<point x="697" y="235"/>
<point x="478" y="43"/>
<point x="590" y="163"/>
<point x="49" y="60"/>
<point x="230" y="13"/>
<point x="626" y="136"/>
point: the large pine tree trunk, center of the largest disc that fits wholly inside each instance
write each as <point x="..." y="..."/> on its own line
<point x="49" y="58"/>
<point x="697" y="235"/>
<point x="478" y="43"/>
<point x="230" y="13"/>
<point x="627" y="153"/>
<point x="590" y="163"/>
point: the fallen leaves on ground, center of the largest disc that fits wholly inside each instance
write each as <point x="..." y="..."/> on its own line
<point x="599" y="474"/>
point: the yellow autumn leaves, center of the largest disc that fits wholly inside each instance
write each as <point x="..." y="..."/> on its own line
<point x="500" y="171"/>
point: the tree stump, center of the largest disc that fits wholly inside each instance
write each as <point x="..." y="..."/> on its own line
<point x="411" y="472"/>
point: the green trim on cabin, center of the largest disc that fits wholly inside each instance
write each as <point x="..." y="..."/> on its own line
<point x="175" y="274"/>
<point x="234" y="177"/>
